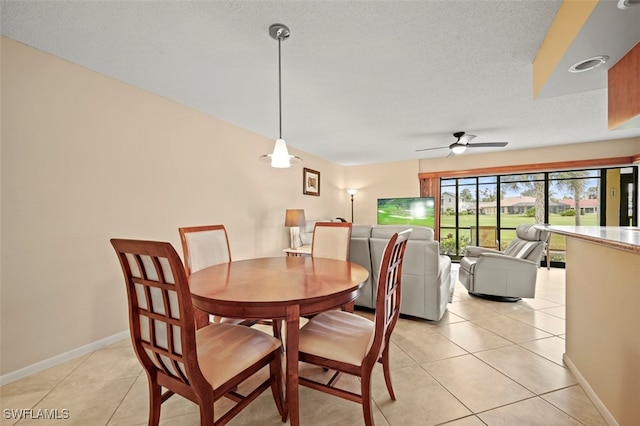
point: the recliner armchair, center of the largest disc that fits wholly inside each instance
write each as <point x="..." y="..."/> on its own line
<point x="508" y="275"/>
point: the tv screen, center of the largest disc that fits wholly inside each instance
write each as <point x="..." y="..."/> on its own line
<point x="407" y="211"/>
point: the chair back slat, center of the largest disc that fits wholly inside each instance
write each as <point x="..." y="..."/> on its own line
<point x="160" y="307"/>
<point x="389" y="292"/>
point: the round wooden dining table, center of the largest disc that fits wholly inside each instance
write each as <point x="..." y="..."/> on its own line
<point x="278" y="288"/>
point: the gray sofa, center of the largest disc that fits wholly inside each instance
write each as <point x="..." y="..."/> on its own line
<point x="426" y="282"/>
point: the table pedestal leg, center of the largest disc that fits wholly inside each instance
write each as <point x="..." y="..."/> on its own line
<point x="293" y="333"/>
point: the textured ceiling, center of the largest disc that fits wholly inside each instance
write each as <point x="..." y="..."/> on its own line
<point x="363" y="81"/>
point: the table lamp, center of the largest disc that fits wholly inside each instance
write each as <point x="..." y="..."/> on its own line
<point x="295" y="219"/>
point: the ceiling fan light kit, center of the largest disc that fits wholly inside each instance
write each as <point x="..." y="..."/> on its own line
<point x="458" y="148"/>
<point x="280" y="157"/>
<point x="463" y="142"/>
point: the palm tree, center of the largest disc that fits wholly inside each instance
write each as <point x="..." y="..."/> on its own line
<point x="524" y="183"/>
<point x="573" y="182"/>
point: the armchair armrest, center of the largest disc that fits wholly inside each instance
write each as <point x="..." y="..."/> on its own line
<point x="499" y="260"/>
<point x="475" y="251"/>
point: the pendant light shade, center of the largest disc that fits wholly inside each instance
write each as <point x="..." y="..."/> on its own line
<point x="280" y="157"/>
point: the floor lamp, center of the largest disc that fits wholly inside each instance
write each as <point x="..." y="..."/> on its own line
<point x="352" y="192"/>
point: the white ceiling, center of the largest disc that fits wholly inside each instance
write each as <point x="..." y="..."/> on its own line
<point x="363" y="81"/>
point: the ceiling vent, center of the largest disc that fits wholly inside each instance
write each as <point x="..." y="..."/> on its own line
<point x="588" y="64"/>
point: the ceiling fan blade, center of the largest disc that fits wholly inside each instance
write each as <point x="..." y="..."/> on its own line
<point x="429" y="149"/>
<point x="487" y="144"/>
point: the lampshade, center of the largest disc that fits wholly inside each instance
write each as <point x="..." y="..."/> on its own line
<point x="280" y="157"/>
<point x="294" y="217"/>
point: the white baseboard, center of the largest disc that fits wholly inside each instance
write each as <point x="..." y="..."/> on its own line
<point x="608" y="417"/>
<point x="59" y="359"/>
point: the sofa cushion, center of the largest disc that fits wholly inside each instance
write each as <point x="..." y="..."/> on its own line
<point x="387" y="231"/>
<point x="361" y="231"/>
<point x="359" y="253"/>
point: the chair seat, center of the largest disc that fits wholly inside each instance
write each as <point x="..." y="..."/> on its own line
<point x="337" y="335"/>
<point x="219" y="344"/>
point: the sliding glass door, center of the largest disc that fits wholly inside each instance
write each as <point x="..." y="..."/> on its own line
<point x="485" y="210"/>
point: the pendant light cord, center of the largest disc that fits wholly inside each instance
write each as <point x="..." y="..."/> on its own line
<point x="280" y="86"/>
<point x="280" y="158"/>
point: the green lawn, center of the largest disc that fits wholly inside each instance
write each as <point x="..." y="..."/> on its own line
<point x="512" y="221"/>
<point x="391" y="219"/>
<point x="557" y="242"/>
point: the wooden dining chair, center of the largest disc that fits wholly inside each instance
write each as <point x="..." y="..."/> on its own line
<point x="204" y="246"/>
<point x="202" y="366"/>
<point x="348" y="343"/>
<point x="331" y="240"/>
<point x="208" y="245"/>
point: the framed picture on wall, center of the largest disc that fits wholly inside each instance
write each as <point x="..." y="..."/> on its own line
<point x="310" y="182"/>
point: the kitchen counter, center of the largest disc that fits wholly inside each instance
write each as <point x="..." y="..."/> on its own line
<point x="602" y="347"/>
<point x="625" y="238"/>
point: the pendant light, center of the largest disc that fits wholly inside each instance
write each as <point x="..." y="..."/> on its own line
<point x="280" y="157"/>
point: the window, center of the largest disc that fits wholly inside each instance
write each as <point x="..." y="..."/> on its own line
<point x="486" y="210"/>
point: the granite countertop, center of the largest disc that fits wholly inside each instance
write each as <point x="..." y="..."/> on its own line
<point x="625" y="238"/>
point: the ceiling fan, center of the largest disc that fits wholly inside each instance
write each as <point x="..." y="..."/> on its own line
<point x="462" y="143"/>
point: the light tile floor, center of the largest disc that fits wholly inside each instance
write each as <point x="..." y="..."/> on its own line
<point x="484" y="363"/>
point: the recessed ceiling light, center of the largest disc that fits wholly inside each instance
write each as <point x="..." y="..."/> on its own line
<point x="588" y="64"/>
<point x="625" y="4"/>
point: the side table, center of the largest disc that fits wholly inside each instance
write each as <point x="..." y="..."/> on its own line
<point x="301" y="251"/>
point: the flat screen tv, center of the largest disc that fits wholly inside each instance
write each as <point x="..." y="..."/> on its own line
<point x="407" y="211"/>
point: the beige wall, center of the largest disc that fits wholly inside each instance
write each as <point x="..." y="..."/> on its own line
<point x="86" y="158"/>
<point x="398" y="179"/>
